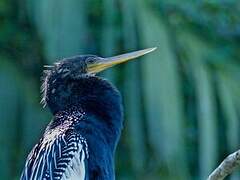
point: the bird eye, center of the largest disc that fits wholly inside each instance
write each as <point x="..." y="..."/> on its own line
<point x="90" y="60"/>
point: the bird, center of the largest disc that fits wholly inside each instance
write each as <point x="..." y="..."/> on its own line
<point x="80" y="141"/>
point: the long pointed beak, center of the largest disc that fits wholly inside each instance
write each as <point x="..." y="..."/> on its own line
<point x="105" y="63"/>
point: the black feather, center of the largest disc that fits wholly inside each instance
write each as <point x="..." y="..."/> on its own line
<point x="87" y="113"/>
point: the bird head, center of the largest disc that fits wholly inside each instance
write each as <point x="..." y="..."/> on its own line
<point x="71" y="80"/>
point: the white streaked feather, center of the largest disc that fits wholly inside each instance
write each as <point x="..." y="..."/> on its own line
<point x="76" y="168"/>
<point x="60" y="154"/>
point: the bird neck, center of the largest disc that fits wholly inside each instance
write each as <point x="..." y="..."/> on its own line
<point x="101" y="124"/>
<point x="95" y="96"/>
<point x="91" y="93"/>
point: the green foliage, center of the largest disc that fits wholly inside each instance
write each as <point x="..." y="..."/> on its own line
<point x="181" y="102"/>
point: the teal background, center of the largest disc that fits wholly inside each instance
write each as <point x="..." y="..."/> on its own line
<point x="182" y="102"/>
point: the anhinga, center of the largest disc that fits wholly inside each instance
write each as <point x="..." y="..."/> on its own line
<point x="80" y="141"/>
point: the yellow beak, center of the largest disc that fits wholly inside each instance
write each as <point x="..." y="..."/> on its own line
<point x="104" y="63"/>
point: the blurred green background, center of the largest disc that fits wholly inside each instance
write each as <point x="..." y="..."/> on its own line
<point x="182" y="102"/>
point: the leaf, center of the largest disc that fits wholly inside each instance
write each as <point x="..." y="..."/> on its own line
<point x="162" y="94"/>
<point x="63" y="27"/>
<point x="206" y="108"/>
<point x="133" y="93"/>
<point x="10" y="118"/>
<point x="109" y="35"/>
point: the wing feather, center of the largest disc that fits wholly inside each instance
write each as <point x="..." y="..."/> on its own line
<point x="62" y="157"/>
